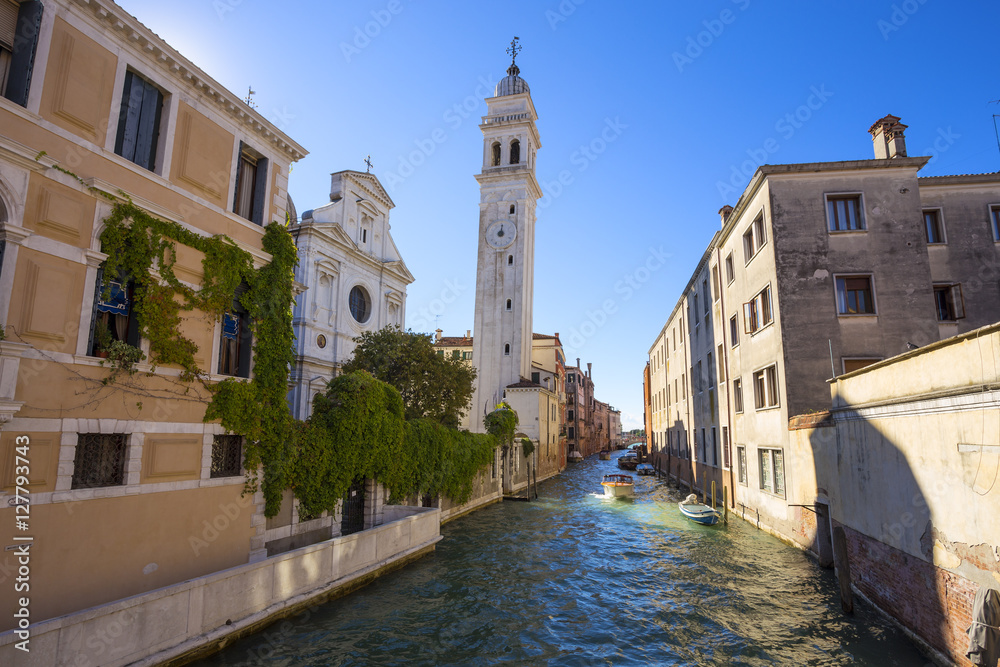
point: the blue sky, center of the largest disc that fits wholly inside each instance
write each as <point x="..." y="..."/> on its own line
<point x="653" y="115"/>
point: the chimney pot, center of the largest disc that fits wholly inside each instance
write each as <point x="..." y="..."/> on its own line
<point x="724" y="213"/>
<point x="468" y="333"/>
<point x="887" y="137"/>
<point x="437" y="335"/>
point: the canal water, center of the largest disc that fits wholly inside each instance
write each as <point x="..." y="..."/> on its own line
<point x="573" y="579"/>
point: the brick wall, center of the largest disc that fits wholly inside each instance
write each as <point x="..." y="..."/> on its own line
<point x="932" y="602"/>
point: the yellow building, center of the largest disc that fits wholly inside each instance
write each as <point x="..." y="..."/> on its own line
<point x="129" y="490"/>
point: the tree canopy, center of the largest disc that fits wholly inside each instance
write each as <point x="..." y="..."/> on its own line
<point x="432" y="386"/>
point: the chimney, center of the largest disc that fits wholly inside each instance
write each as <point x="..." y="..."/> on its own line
<point x="724" y="213"/>
<point x="887" y="138"/>
<point x="588" y="368"/>
<point x="578" y="362"/>
<point x="468" y="333"/>
<point x="437" y="335"/>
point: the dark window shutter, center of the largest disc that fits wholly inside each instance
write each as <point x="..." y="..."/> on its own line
<point x="29" y="21"/>
<point x="239" y="173"/>
<point x="93" y="312"/>
<point x="259" y="190"/>
<point x="148" y="129"/>
<point x="125" y="139"/>
<point x="132" y="337"/>
<point x="246" y="347"/>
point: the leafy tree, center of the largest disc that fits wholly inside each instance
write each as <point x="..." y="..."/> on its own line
<point x="432" y="386"/>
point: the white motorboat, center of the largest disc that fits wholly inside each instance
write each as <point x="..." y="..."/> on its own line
<point x="618" y="486"/>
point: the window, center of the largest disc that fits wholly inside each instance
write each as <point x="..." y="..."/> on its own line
<point x="456" y="354"/>
<point x="506" y="349"/>
<point x="734" y="331"/>
<point x="113" y="318"/>
<point x="843" y="213"/>
<point x="772" y="471"/>
<point x="995" y="220"/>
<point x="571" y="378"/>
<point x="765" y="388"/>
<point x="496" y="154"/>
<point x="360" y="304"/>
<point x="722" y="365"/>
<point x="933" y="226"/>
<point x="754" y="238"/>
<point x="227" y="456"/>
<point x="704" y="295"/>
<point x="757" y="312"/>
<point x="738" y="394"/>
<point x="854" y="295"/>
<point x="741" y="464"/>
<point x="856" y="364"/>
<point x="251" y="185"/>
<point x="704" y="447"/>
<point x="515" y="151"/>
<point x="508" y="304"/>
<point x="99" y="461"/>
<point x="715" y="283"/>
<point x="694" y="309"/>
<point x="466" y="355"/>
<point x="730" y="270"/>
<point x="535" y="377"/>
<point x="715" y="448"/>
<point x="569" y="415"/>
<point x="236" y="342"/>
<point x="440" y="353"/>
<point x="139" y="121"/>
<point x="572" y="433"/>
<point x="512" y="209"/>
<point x="20" y="24"/>
<point x="711" y="371"/>
<point x="364" y="235"/>
<point x="697" y="378"/>
<point x="510" y="260"/>
<point x="727" y="455"/>
<point x="949" y="302"/>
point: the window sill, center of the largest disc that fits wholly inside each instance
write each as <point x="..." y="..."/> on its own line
<point x="842" y="232"/>
<point x="858" y="315"/>
<point x="771" y="493"/>
<point x="768" y="408"/>
<point x="763" y="328"/>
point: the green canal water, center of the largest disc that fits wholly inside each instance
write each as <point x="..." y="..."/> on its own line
<point x="573" y="579"/>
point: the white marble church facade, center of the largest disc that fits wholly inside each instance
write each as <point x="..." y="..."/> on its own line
<point x="355" y="278"/>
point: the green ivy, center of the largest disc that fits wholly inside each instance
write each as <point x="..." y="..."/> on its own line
<point x="527" y="447"/>
<point x="502" y="423"/>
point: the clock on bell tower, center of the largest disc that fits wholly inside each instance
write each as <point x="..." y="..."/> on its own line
<point x="509" y="191"/>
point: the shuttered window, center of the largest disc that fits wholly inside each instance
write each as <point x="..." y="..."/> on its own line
<point x="139" y="121"/>
<point x="8" y="24"/>
<point x="251" y="184"/>
<point x="19" y="27"/>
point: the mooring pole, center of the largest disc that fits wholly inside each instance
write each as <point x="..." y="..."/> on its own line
<point x="843" y="569"/>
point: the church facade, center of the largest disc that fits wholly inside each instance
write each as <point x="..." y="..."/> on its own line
<point x="356" y="277"/>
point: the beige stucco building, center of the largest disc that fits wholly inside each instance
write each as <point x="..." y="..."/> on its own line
<point x="127" y="469"/>
<point x="819" y="269"/>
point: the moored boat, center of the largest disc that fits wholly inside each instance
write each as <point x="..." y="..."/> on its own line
<point x="618" y="486"/>
<point x="604" y="455"/>
<point x="703" y="514"/>
<point x="627" y="462"/>
<point x="645" y="469"/>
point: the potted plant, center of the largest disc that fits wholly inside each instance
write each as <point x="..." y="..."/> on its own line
<point x="102" y="336"/>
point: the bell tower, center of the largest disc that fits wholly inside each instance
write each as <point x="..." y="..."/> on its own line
<point x="509" y="191"/>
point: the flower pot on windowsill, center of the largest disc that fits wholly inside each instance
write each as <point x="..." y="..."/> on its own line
<point x="103" y="354"/>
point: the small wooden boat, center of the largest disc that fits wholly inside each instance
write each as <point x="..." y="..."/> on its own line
<point x="703" y="514"/>
<point x="645" y="469"/>
<point x="618" y="486"/>
<point x="627" y="462"/>
<point x="604" y="455"/>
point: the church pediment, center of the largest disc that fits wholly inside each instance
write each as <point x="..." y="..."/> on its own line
<point x="363" y="181"/>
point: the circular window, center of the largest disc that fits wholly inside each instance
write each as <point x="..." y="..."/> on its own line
<point x="361" y="305"/>
<point x="321" y="341"/>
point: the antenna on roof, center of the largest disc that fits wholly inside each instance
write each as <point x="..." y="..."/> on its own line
<point x="249" y="99"/>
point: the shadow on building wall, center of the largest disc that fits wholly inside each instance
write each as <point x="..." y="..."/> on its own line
<point x="874" y="523"/>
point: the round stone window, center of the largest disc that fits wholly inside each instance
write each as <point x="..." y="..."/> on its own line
<point x="361" y="304"/>
<point x="321" y="341"/>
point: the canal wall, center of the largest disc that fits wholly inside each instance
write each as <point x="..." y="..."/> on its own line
<point x="176" y="624"/>
<point x="906" y="463"/>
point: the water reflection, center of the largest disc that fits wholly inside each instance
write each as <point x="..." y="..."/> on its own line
<point x="573" y="579"/>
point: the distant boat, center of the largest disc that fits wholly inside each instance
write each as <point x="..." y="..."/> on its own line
<point x="703" y="514"/>
<point x="604" y="455"/>
<point x="618" y="486"/>
<point x="645" y="469"/>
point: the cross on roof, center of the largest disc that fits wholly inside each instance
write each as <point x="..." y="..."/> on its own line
<point x="368" y="161"/>
<point x="513" y="50"/>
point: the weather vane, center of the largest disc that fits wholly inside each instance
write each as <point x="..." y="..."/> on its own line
<point x="249" y="100"/>
<point x="513" y="50"/>
<point x="368" y="161"/>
